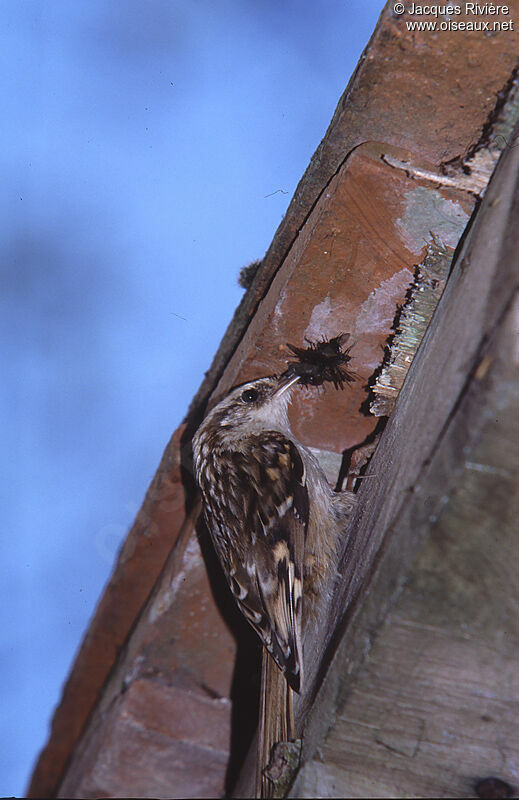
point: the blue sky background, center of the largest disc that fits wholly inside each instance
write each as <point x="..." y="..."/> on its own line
<point x="143" y="147"/>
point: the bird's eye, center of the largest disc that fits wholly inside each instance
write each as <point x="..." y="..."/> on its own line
<point x="249" y="395"/>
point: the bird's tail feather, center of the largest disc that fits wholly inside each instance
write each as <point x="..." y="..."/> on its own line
<point x="276" y="720"/>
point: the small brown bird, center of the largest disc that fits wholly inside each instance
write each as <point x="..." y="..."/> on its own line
<point x="274" y="521"/>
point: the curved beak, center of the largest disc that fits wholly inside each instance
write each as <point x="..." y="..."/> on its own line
<point x="285" y="384"/>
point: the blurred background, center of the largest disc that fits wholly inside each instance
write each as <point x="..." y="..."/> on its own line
<point x="149" y="150"/>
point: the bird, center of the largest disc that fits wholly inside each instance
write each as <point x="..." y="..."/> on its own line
<point x="275" y="523"/>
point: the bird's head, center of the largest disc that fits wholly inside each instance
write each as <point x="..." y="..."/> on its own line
<point x="254" y="406"/>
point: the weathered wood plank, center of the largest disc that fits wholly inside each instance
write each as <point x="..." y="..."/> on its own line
<point x="436" y="707"/>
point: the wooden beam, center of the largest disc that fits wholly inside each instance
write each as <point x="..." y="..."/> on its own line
<point x="415" y="464"/>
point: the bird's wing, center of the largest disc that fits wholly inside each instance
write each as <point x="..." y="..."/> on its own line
<point x="267" y="580"/>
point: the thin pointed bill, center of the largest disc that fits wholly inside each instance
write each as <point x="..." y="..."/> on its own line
<point x="287" y="383"/>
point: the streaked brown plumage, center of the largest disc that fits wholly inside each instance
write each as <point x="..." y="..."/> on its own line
<point x="273" y="518"/>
